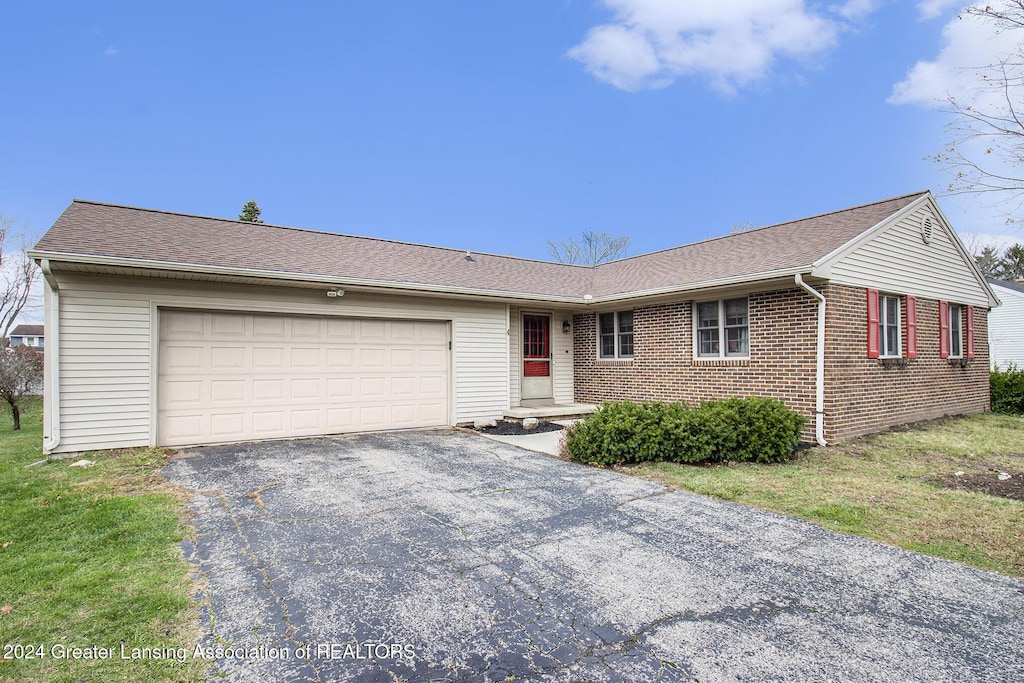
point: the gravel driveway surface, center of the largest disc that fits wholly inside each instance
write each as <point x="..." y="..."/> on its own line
<point x="444" y="556"/>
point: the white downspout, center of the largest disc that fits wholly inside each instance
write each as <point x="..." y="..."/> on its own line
<point x="819" y="393"/>
<point x="51" y="357"/>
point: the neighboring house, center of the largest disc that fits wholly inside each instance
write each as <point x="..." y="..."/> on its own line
<point x="1006" y="325"/>
<point x="178" y="329"/>
<point x="28" y="335"/>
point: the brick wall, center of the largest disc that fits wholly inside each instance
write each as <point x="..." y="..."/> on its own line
<point x="783" y="326"/>
<point x="862" y="395"/>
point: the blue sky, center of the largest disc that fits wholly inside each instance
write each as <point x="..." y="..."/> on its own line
<point x="487" y="126"/>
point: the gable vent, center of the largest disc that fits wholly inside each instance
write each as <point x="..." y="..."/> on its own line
<point x="926" y="229"/>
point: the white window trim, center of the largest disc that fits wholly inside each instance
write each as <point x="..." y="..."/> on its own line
<point x="882" y="325"/>
<point x="959" y="327"/>
<point x="618" y="355"/>
<point x="721" y="331"/>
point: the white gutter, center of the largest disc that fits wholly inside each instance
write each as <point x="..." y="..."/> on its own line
<point x="819" y="393"/>
<point x="51" y="357"/>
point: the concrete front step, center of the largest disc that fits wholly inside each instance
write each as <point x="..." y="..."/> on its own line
<point x="559" y="412"/>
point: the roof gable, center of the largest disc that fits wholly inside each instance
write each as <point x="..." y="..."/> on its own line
<point x="913" y="251"/>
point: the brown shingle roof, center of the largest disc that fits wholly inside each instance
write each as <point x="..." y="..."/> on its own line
<point x="104" y="230"/>
<point x="779" y="247"/>
<point x="27" y="331"/>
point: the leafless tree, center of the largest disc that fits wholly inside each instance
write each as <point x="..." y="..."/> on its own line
<point x="21" y="372"/>
<point x="986" y="155"/>
<point x="590" y="249"/>
<point x="17" y="274"/>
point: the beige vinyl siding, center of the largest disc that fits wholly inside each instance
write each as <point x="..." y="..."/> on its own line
<point x="108" y="344"/>
<point x="105" y="370"/>
<point x="1006" y="328"/>
<point x="562" y="358"/>
<point x="897" y="260"/>
<point x="515" y="345"/>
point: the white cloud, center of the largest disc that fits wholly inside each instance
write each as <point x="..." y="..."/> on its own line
<point x="731" y="42"/>
<point x="857" y="9"/>
<point x="110" y="51"/>
<point x="930" y="9"/>
<point x="968" y="44"/>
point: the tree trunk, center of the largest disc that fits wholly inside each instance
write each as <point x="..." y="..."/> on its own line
<point x="17" y="417"/>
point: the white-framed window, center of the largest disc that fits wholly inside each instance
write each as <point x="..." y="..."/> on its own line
<point x="889" y="323"/>
<point x="956" y="340"/>
<point x="615" y="335"/>
<point x="722" y="328"/>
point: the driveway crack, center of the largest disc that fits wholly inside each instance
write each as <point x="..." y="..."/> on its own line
<point x="268" y="582"/>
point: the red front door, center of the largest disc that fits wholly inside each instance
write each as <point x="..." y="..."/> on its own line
<point x="536" y="346"/>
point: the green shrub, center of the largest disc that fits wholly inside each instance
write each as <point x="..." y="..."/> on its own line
<point x="747" y="429"/>
<point x="622" y="432"/>
<point x="1007" y="387"/>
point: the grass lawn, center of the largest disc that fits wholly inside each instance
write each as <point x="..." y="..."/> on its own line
<point x="89" y="558"/>
<point x="886" y="487"/>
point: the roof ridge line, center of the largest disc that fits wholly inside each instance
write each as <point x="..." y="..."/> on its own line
<point x="765" y="227"/>
<point x="325" y="232"/>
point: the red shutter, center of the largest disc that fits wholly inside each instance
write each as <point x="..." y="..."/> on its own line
<point x="911" y="327"/>
<point x="970" y="331"/>
<point x="943" y="329"/>
<point x="873" y="350"/>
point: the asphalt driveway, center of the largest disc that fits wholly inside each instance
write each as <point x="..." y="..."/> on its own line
<point x="427" y="556"/>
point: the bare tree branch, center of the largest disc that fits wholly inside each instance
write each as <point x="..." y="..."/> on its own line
<point x="591" y="249"/>
<point x="17" y="274"/>
<point x="986" y="155"/>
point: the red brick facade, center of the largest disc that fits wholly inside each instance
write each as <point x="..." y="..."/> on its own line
<point x="864" y="395"/>
<point x="861" y="395"/>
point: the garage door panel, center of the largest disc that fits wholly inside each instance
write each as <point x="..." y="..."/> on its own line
<point x="433" y="359"/>
<point x="341" y="419"/>
<point x="341" y="359"/>
<point x="233" y="376"/>
<point x="371" y="330"/>
<point x="266" y="326"/>
<point x="428" y="333"/>
<point x="372" y="358"/>
<point x="269" y="422"/>
<point x="227" y="390"/>
<point x="302" y="389"/>
<point x="175" y="357"/>
<point x="305" y="420"/>
<point x="225" y="426"/>
<point x="268" y="357"/>
<point x="227" y="325"/>
<point x="223" y="357"/>
<point x="268" y="390"/>
<point x="185" y="392"/>
<point x="340" y="388"/>
<point x="305" y="327"/>
<point x="341" y="330"/>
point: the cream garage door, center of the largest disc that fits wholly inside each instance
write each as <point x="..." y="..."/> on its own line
<point x="233" y="377"/>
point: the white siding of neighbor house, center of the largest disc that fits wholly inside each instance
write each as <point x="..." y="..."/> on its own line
<point x="1006" y="328"/>
<point x="897" y="260"/>
<point x="109" y="336"/>
<point x="562" y="366"/>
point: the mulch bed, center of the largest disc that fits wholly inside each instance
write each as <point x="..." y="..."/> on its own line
<point x="504" y="428"/>
<point x="987" y="482"/>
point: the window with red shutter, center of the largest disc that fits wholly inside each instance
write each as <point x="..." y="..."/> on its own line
<point x="872" y="324"/>
<point x="943" y="329"/>
<point x="911" y="327"/>
<point x="970" y="331"/>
